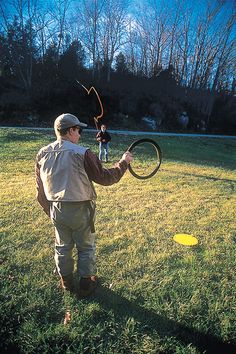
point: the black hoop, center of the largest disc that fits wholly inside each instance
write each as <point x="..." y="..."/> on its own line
<point x="159" y="154"/>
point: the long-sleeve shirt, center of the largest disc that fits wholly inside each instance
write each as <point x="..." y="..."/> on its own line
<point x="103" y="137"/>
<point x="95" y="171"/>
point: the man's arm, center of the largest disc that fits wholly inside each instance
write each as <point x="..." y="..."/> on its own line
<point x="40" y="194"/>
<point x="100" y="175"/>
<point x="98" y="136"/>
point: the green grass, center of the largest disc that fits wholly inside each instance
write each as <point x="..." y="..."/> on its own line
<point x="156" y="295"/>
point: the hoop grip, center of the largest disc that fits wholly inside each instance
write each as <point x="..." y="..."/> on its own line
<point x="158" y="151"/>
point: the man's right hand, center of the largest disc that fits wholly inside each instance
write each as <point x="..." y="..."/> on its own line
<point x="128" y="157"/>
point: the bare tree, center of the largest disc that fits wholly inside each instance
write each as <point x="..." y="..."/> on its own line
<point x="157" y="35"/>
<point x="151" y="40"/>
<point x="130" y="48"/>
<point x="174" y="33"/>
<point x="227" y="48"/>
<point x="112" y="32"/>
<point x="42" y="24"/>
<point x="204" y="42"/>
<point x="183" y="44"/>
<point x="58" y="27"/>
<point x="88" y="17"/>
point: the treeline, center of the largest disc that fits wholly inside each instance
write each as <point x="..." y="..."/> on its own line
<point x="151" y="59"/>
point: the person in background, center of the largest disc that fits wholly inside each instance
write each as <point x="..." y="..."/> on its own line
<point x="183" y="120"/>
<point x="64" y="175"/>
<point x="103" y="137"/>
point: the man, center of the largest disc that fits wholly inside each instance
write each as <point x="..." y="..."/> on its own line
<point x="64" y="175"/>
<point x="103" y="137"/>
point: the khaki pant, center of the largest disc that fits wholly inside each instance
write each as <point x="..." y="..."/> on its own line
<point x="72" y="222"/>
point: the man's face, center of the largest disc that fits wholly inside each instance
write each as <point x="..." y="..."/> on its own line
<point x="75" y="134"/>
<point x="103" y="128"/>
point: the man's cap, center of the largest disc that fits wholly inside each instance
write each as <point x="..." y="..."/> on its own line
<point x="67" y="120"/>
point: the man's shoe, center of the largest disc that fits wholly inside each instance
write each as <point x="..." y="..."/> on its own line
<point x="67" y="282"/>
<point x="87" y="286"/>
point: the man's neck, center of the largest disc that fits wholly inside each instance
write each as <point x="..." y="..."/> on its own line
<point x="64" y="137"/>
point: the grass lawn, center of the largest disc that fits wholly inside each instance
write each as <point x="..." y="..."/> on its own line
<point x="156" y="296"/>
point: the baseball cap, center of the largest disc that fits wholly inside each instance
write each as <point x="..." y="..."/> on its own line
<point x="67" y="120"/>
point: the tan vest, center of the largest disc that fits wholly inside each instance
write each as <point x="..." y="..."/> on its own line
<point x="62" y="172"/>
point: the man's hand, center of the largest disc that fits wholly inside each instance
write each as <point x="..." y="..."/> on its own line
<point x="128" y="157"/>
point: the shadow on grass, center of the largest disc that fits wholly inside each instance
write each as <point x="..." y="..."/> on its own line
<point x="199" y="176"/>
<point x="151" y="321"/>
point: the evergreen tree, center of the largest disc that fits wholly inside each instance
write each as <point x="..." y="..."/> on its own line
<point x="120" y="65"/>
<point x="72" y="60"/>
<point x="18" y="53"/>
<point x="49" y="67"/>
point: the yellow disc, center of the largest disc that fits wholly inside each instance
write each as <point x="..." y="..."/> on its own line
<point x="185" y="239"/>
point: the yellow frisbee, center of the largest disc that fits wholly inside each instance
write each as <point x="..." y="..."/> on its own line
<point x="185" y="239"/>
